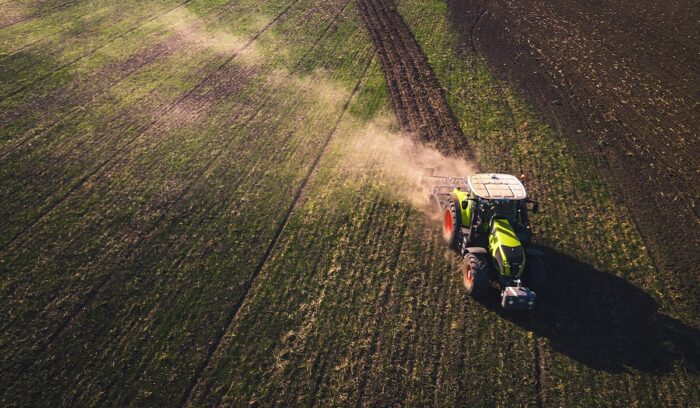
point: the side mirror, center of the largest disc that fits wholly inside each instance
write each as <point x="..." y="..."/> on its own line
<point x="536" y="208"/>
<point x="465" y="203"/>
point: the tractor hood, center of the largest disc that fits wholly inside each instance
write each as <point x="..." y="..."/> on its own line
<point x="506" y="249"/>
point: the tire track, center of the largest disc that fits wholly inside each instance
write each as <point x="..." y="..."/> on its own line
<point x="300" y="193"/>
<point x="164" y="112"/>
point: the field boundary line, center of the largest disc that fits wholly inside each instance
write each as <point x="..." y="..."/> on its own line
<point x="125" y="147"/>
<point x="300" y="193"/>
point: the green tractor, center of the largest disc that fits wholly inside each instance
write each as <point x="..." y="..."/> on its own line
<point x="485" y="219"/>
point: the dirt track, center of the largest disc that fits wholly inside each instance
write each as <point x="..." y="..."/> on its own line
<point x="620" y="79"/>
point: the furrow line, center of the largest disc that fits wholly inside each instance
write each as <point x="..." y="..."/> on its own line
<point x="411" y="82"/>
<point x="417" y="92"/>
<point x="409" y="49"/>
<point x="442" y="119"/>
<point x="381" y="311"/>
<point x="394" y="71"/>
<point x="187" y="396"/>
<point x="389" y="75"/>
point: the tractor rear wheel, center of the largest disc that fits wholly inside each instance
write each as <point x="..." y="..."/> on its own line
<point x="475" y="273"/>
<point x="535" y="277"/>
<point x="451" y="225"/>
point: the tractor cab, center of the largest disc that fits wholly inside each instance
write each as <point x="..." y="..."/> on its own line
<point x="497" y="197"/>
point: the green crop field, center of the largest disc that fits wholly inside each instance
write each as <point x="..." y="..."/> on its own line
<point x="212" y="203"/>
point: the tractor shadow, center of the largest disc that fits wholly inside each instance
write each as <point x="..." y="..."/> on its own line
<point x="604" y="322"/>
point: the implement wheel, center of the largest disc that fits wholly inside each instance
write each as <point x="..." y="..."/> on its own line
<point x="451" y="225"/>
<point x="475" y="273"/>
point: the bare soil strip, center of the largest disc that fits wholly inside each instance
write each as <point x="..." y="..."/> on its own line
<point x="417" y="96"/>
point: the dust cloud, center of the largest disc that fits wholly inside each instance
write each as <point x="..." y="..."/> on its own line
<point x="403" y="161"/>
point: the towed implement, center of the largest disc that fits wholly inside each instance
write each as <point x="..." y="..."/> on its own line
<point x="485" y="219"/>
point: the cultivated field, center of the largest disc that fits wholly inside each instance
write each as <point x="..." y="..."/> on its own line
<point x="212" y="202"/>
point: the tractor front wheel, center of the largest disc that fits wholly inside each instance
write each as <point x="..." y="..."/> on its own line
<point x="451" y="225"/>
<point x="475" y="272"/>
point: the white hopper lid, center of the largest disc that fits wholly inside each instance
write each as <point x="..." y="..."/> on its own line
<point x="497" y="186"/>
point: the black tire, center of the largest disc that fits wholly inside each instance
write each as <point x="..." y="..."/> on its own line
<point x="451" y="225"/>
<point x="535" y="275"/>
<point x="476" y="274"/>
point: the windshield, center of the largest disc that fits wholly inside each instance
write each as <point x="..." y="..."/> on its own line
<point x="506" y="209"/>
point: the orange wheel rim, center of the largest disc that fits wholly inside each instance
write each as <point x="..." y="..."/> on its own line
<point x="468" y="275"/>
<point x="447" y="225"/>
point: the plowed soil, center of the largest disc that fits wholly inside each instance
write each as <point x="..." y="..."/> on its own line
<point x="621" y="79"/>
<point x="415" y="92"/>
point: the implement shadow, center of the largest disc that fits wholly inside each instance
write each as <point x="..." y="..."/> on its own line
<point x="603" y="321"/>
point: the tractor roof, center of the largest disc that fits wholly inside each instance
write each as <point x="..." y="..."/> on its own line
<point x="497" y="186"/>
